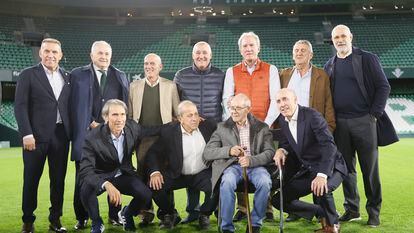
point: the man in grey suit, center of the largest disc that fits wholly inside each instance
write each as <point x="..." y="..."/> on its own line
<point x="240" y="142"/>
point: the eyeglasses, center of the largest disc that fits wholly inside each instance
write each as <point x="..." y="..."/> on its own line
<point x="237" y="109"/>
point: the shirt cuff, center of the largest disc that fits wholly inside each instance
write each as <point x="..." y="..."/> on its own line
<point x="103" y="185"/>
<point x="28" y="136"/>
<point x="284" y="151"/>
<point x="322" y="175"/>
<point x="153" y="173"/>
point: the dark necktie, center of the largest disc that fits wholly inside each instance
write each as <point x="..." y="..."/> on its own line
<point x="103" y="80"/>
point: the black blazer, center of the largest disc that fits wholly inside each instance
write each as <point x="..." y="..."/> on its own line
<point x="166" y="154"/>
<point x="100" y="161"/>
<point x="35" y="105"/>
<point x="315" y="147"/>
<point x="374" y="87"/>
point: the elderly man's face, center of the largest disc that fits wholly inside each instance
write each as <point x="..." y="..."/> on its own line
<point x="101" y="56"/>
<point x="286" y="102"/>
<point x="202" y="56"/>
<point x="342" y="40"/>
<point x="50" y="54"/>
<point x="152" y="66"/>
<point x="189" y="118"/>
<point x="249" y="48"/>
<point x="302" y="54"/>
<point x="239" y="110"/>
<point x="116" y="119"/>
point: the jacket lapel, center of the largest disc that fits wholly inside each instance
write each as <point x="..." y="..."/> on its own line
<point x="300" y="129"/>
<point x="357" y="66"/>
<point x="41" y="76"/>
<point x="140" y="94"/>
<point x="113" y="153"/>
<point x="314" y="80"/>
<point x="178" y="143"/>
<point x="162" y="96"/>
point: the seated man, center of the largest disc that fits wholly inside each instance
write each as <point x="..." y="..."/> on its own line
<point x="321" y="167"/>
<point x="106" y="166"/>
<point x="175" y="161"/>
<point x="240" y="142"/>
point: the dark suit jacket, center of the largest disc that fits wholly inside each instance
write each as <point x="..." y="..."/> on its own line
<point x="374" y="87"/>
<point x="36" y="107"/>
<point x="82" y="79"/>
<point x="315" y="148"/>
<point x="320" y="97"/>
<point x="100" y="161"/>
<point x="166" y="154"/>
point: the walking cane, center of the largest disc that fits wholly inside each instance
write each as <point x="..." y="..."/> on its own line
<point x="246" y="197"/>
<point x="281" y="199"/>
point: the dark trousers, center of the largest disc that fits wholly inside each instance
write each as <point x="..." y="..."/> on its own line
<point x="56" y="153"/>
<point x="360" y="135"/>
<point x="126" y="184"/>
<point x="300" y="186"/>
<point x="80" y="211"/>
<point x="199" y="182"/>
<point x="193" y="202"/>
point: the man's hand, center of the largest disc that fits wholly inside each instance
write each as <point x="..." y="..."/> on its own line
<point x="244" y="161"/>
<point x="29" y="143"/>
<point x="236" y="151"/>
<point x="319" y="186"/>
<point x="279" y="158"/>
<point x="113" y="194"/>
<point x="94" y="124"/>
<point x="156" y="181"/>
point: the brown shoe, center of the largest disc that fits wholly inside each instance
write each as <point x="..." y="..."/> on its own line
<point x="28" y="227"/>
<point x="332" y="229"/>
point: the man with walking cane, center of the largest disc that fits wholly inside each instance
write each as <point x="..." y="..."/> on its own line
<point x="241" y="142"/>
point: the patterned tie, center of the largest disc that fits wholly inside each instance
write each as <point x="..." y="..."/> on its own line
<point x="103" y="80"/>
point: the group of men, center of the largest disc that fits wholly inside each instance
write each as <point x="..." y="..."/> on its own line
<point x="219" y="130"/>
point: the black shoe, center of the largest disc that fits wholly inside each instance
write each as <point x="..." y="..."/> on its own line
<point x="227" y="231"/>
<point x="254" y="229"/>
<point x="190" y="218"/>
<point x="127" y="220"/>
<point x="81" y="224"/>
<point x="146" y="218"/>
<point x="97" y="227"/>
<point x="239" y="216"/>
<point x="373" y="221"/>
<point x="115" y="221"/>
<point x="177" y="219"/>
<point x="350" y="216"/>
<point x="292" y="218"/>
<point x="56" y="226"/>
<point x="269" y="217"/>
<point x="28" y="227"/>
<point x="204" y="221"/>
<point x="168" y="221"/>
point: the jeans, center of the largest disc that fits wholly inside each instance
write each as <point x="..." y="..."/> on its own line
<point x="233" y="175"/>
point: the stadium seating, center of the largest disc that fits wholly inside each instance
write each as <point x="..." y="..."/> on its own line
<point x="7" y="115"/>
<point x="400" y="109"/>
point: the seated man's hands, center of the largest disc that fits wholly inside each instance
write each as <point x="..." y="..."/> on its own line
<point x="279" y="158"/>
<point x="113" y="194"/>
<point x="156" y="181"/>
<point x="244" y="161"/>
<point x="236" y="151"/>
<point x="319" y="186"/>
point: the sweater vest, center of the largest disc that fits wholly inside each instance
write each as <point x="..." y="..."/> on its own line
<point x="255" y="86"/>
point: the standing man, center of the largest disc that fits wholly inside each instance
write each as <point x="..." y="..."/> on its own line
<point x="260" y="82"/>
<point x="175" y="161"/>
<point x="202" y="84"/>
<point x="360" y="91"/>
<point x="242" y="141"/>
<point x="311" y="86"/>
<point x="92" y="86"/>
<point x="321" y="167"/>
<point x="152" y="101"/>
<point x="106" y="166"/>
<point x="42" y="115"/>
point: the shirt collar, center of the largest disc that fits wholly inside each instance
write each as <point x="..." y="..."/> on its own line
<point x="114" y="138"/>
<point x="49" y="71"/>
<point x="295" y="115"/>
<point x="307" y="72"/>
<point x="97" y="69"/>
<point x="196" y="69"/>
<point x="183" y="131"/>
<point x="150" y="84"/>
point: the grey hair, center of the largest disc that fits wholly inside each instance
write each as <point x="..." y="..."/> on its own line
<point x="183" y="104"/>
<point x="256" y="37"/>
<point x="51" y="40"/>
<point x="153" y="54"/>
<point x="110" y="103"/>
<point x="100" y="42"/>
<point x="246" y="100"/>
<point x="305" y="42"/>
<point x="341" y="26"/>
<point x="201" y="43"/>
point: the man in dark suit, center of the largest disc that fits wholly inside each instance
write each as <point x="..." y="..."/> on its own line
<point x="42" y="115"/>
<point x="360" y="90"/>
<point x="175" y="161"/>
<point x="106" y="165"/>
<point x="92" y="86"/>
<point x="321" y="167"/>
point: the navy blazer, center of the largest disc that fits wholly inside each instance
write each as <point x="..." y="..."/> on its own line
<point x="36" y="107"/>
<point x="374" y="87"/>
<point x="82" y="79"/>
<point x="166" y="154"/>
<point x="315" y="148"/>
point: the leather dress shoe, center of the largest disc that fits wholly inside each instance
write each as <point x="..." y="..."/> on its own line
<point x="254" y="229"/>
<point x="326" y="228"/>
<point x="292" y="218"/>
<point x="28" y="227"/>
<point x="114" y="221"/>
<point x="81" y="224"/>
<point x="190" y="218"/>
<point x="56" y="226"/>
<point x="269" y="217"/>
<point x="204" y="221"/>
<point x="350" y="216"/>
<point x="239" y="216"/>
<point x="373" y="221"/>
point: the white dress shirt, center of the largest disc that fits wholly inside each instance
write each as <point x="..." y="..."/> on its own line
<point x="301" y="86"/>
<point x="56" y="82"/>
<point x="193" y="147"/>
<point x="99" y="74"/>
